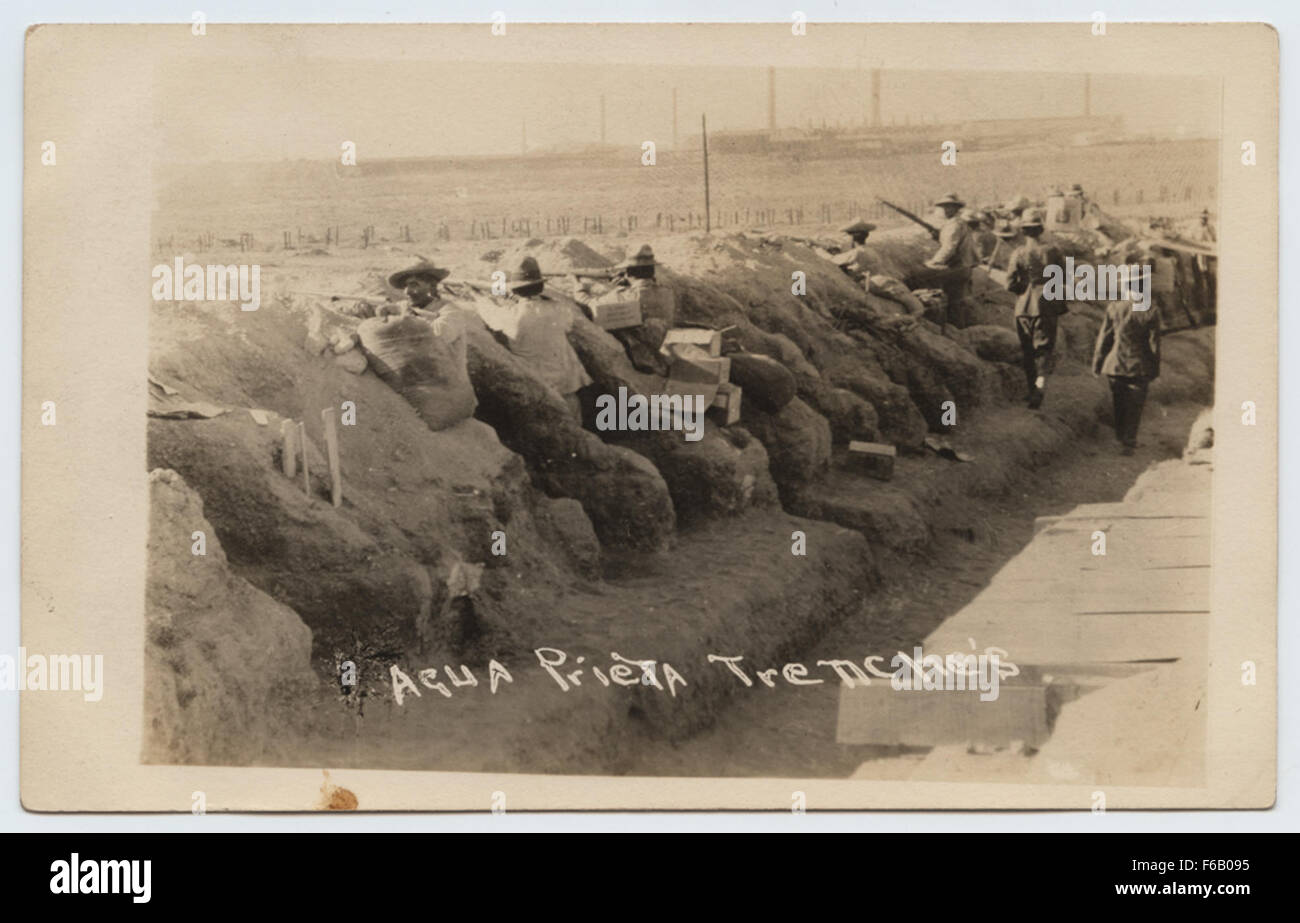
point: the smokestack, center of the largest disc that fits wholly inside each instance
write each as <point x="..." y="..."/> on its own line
<point x="1087" y="95"/>
<point x="602" y="118"/>
<point x="771" y="99"/>
<point x="674" y="118"/>
<point x="875" y="97"/>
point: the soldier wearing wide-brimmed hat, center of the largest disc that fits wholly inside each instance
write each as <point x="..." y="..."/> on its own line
<point x="858" y="231"/>
<point x="854" y="261"/>
<point x="641" y="265"/>
<point x="635" y="281"/>
<point x="1037" y="309"/>
<point x="859" y="266"/>
<point x="526" y="279"/>
<point x="956" y="255"/>
<point x="419" y="282"/>
<point x="535" y="328"/>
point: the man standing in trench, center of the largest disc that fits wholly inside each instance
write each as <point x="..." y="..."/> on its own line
<point x="955" y="257"/>
<point x="1128" y="354"/>
<point x="537" y="332"/>
<point x="1036" y="315"/>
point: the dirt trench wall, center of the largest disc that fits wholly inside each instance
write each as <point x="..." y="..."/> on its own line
<point x="227" y="667"/>
<point x="420" y="509"/>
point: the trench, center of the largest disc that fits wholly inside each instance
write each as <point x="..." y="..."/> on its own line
<point x="790" y="731"/>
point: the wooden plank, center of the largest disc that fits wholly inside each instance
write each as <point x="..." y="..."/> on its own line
<point x="879" y="714"/>
<point x="289" y="449"/>
<point x="332" y="455"/>
<point x="1035" y="635"/>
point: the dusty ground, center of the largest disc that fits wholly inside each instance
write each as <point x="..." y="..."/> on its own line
<point x="229" y="199"/>
<point x="788" y="731"/>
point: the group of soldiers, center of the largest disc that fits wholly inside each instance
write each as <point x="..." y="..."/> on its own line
<point x="530" y="323"/>
<point x="1127" y="351"/>
<point x="534" y="326"/>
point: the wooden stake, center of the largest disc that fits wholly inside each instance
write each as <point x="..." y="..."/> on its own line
<point x="332" y="453"/>
<point x="289" y="454"/>
<point x="306" y="475"/>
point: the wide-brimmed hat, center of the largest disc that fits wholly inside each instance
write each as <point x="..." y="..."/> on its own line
<point x="528" y="274"/>
<point x="1076" y="189"/>
<point x="1031" y="219"/>
<point x="643" y="257"/>
<point x="1004" y="230"/>
<point x="858" y="227"/>
<point x="1019" y="203"/>
<point x="949" y="199"/>
<point x="971" y="215"/>
<point x="423" y="268"/>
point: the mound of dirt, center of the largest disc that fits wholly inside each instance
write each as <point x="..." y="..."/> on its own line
<point x="556" y="254"/>
<point x="227" y="667"/>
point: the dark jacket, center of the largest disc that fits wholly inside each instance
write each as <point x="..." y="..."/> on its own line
<point x="1128" y="345"/>
<point x="1025" y="278"/>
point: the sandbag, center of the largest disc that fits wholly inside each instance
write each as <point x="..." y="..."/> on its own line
<point x="767" y="384"/>
<point x="426" y="369"/>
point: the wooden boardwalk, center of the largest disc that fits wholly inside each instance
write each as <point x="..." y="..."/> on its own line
<point x="1112" y="651"/>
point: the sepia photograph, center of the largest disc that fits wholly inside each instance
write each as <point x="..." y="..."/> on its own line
<point x="651" y="405"/>
<point x="712" y="420"/>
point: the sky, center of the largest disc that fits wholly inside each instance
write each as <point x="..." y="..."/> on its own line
<point x="418" y="102"/>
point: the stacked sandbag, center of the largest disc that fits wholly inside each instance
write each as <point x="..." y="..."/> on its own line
<point x="426" y="369"/>
<point x="621" y="492"/>
<point x="723" y="473"/>
<point x="766" y="383"/>
<point x="797" y="439"/>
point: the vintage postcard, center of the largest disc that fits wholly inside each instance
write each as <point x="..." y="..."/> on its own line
<point x="780" y="416"/>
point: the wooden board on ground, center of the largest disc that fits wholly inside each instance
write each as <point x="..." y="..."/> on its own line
<point x="1041" y="634"/>
<point x="880" y="714"/>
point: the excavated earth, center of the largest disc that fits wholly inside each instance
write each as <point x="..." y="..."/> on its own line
<point x="630" y="548"/>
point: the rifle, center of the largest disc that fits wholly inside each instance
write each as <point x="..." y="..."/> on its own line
<point x="336" y="296"/>
<point x="934" y="231"/>
<point x="582" y="274"/>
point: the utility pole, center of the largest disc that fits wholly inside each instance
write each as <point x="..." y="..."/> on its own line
<point x="704" y="135"/>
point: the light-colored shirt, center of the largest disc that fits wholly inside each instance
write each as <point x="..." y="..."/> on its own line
<point x="956" y="246"/>
<point x="537" y="332"/>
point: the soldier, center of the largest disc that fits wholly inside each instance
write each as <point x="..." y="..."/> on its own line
<point x="974" y="221"/>
<point x="1008" y="239"/>
<point x="857" y="265"/>
<point x="1128" y="354"/>
<point x="635" y="279"/>
<point x="420" y="285"/>
<point x="1035" y="316"/>
<point x="536" y="330"/>
<point x="955" y="257"/>
<point x="858" y="232"/>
